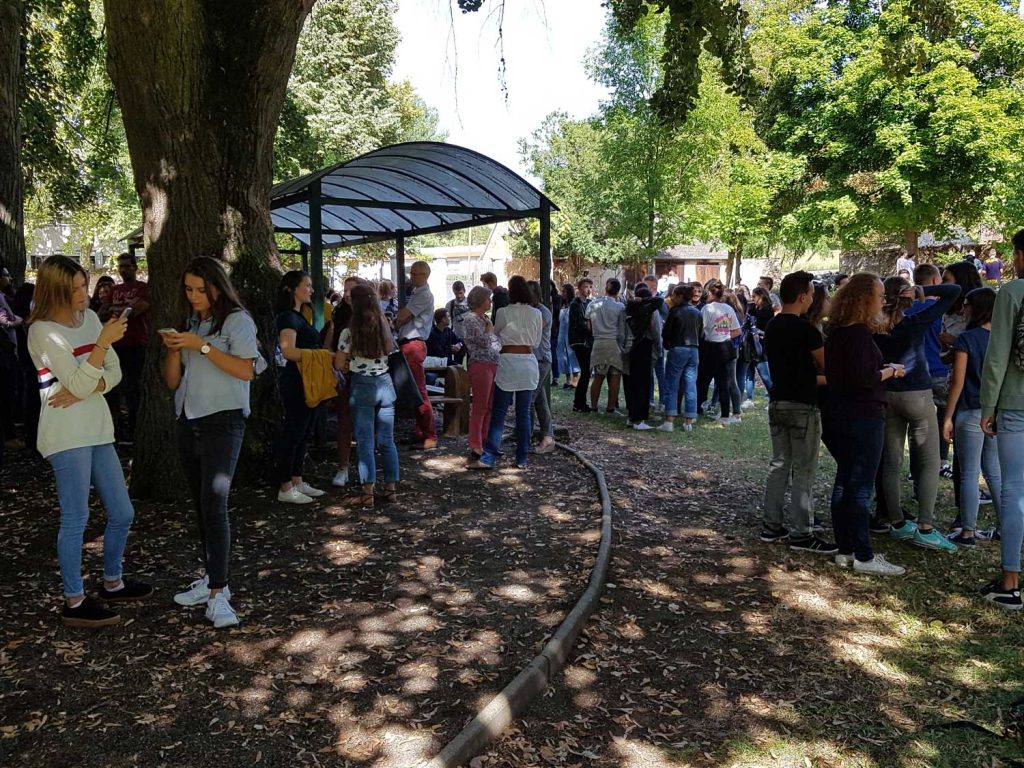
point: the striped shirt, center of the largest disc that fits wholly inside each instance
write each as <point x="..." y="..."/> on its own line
<point x="60" y="355"/>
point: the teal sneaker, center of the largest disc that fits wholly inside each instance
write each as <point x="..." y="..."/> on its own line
<point x="934" y="540"/>
<point x="906" y="531"/>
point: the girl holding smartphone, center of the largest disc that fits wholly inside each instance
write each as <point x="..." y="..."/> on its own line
<point x="71" y="351"/>
<point x="209" y="365"/>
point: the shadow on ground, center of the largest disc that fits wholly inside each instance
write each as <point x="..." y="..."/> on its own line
<point x="368" y="638"/>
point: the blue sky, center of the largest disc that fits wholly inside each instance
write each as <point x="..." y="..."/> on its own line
<point x="455" y="68"/>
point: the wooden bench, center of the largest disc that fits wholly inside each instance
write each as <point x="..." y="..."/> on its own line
<point x="454" y="402"/>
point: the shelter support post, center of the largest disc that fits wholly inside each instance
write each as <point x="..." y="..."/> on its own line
<point x="545" y="250"/>
<point x="400" y="268"/>
<point x="304" y="255"/>
<point x="316" y="253"/>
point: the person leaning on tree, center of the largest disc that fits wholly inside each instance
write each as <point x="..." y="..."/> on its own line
<point x="76" y="365"/>
<point x="211" y="358"/>
<point x="294" y="334"/>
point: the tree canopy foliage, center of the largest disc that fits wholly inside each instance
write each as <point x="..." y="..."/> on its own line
<point x="907" y="114"/>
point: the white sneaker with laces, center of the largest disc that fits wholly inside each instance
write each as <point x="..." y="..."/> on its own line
<point x="220" y="612"/>
<point x="667" y="426"/>
<point x="734" y="419"/>
<point x="643" y="425"/>
<point x="724" y="421"/>
<point x="340" y="478"/>
<point x="293" y="496"/>
<point x="687" y="427"/>
<point x="198" y="593"/>
<point x="746" y="405"/>
<point x="878" y="566"/>
<point x="309" y="490"/>
<point x="844" y="561"/>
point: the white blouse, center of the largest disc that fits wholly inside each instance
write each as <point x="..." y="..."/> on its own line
<point x="518" y="324"/>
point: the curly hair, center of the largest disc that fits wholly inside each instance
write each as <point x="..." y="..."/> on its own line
<point x="854" y="303"/>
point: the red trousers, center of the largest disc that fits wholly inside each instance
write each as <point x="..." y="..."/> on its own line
<point x="415" y="353"/>
<point x="481" y="387"/>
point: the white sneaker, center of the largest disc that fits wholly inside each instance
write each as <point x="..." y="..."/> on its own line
<point x="878" y="566"/>
<point x="220" y="612"/>
<point x="309" y="490"/>
<point x="658" y="408"/>
<point x="724" y="422"/>
<point x="667" y="426"/>
<point x="746" y="405"/>
<point x="293" y="496"/>
<point x="198" y="593"/>
<point x="643" y="425"/>
<point x="340" y="478"/>
<point x="687" y="427"/>
<point x="735" y="420"/>
<point x="844" y="561"/>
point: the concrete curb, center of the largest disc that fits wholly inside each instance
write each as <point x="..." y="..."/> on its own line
<point x="531" y="681"/>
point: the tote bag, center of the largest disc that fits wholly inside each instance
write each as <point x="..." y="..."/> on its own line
<point x="408" y="399"/>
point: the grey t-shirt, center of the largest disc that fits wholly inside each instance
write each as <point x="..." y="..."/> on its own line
<point x="543" y="350"/>
<point x="607" y="319"/>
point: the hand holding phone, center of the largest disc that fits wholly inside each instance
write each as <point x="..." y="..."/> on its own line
<point x="124" y="315"/>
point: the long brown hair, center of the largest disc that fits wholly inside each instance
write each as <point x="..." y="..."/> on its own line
<point x="367" y="334"/>
<point x="895" y="305"/>
<point x="854" y="303"/>
<point x="55" y="286"/>
<point x="213" y="275"/>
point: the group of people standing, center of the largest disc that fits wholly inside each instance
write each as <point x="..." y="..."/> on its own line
<point x="939" y="359"/>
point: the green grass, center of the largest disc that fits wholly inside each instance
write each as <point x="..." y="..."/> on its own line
<point x="943" y="654"/>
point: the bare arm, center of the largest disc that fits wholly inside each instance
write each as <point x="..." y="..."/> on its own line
<point x="286" y="340"/>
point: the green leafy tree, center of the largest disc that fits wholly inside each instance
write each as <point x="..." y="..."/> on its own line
<point x="907" y="114"/>
<point x="339" y="102"/>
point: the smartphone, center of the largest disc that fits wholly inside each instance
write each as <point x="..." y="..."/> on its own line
<point x="124" y="315"/>
<point x="167" y="330"/>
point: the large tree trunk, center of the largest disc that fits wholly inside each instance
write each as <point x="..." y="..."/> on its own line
<point x="910" y="242"/>
<point x="201" y="86"/>
<point x="12" y="224"/>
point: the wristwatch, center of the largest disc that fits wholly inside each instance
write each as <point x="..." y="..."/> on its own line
<point x="204" y="350"/>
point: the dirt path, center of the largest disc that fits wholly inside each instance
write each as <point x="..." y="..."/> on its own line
<point x="368" y="638"/>
<point x="714" y="649"/>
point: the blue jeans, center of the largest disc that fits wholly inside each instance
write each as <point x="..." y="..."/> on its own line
<point x="74" y="470"/>
<point x="524" y="425"/>
<point x="681" y="367"/>
<point x="978" y="454"/>
<point x="859" y="444"/>
<point x="565" y="357"/>
<point x="745" y="377"/>
<point x="373" y="420"/>
<point x="1010" y="429"/>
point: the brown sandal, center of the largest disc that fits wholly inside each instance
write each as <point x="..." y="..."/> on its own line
<point x="361" y="500"/>
<point x="388" y="496"/>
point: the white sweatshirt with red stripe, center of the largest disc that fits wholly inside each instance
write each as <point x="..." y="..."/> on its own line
<point x="60" y="355"/>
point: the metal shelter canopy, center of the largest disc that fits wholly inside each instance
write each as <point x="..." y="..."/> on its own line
<point x="400" y="191"/>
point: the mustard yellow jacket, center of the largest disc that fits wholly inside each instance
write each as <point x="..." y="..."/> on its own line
<point x="316" y="366"/>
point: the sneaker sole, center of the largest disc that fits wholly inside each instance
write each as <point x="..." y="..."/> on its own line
<point x="932" y="547"/>
<point x="1004" y="606"/>
<point x="184" y="603"/>
<point x="879" y="573"/>
<point x="223" y="625"/>
<point x="114" y="598"/>
<point x="829" y="552"/>
<point x="90" y="623"/>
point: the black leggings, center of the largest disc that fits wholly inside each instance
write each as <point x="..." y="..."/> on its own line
<point x="290" y="451"/>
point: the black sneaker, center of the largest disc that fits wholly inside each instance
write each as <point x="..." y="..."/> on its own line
<point x="984" y="497"/>
<point x="818" y="525"/>
<point x="770" y="535"/>
<point x="583" y="409"/>
<point x="813" y="544"/>
<point x="88" y="613"/>
<point x="130" y="592"/>
<point x="1004" y="598"/>
<point x="877" y="525"/>
<point x="946" y="472"/>
<point x="963" y="541"/>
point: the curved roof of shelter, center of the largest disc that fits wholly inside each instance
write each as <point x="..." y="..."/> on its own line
<point x="406" y="189"/>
